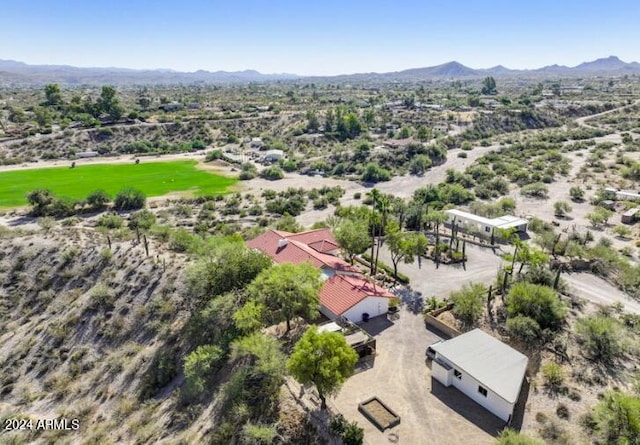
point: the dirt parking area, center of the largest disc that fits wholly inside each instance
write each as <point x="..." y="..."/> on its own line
<point x="401" y="378"/>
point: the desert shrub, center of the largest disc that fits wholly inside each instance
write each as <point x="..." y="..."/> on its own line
<point x="576" y="194"/>
<point x="562" y="411"/>
<point x="181" y="240"/>
<point x="213" y="155"/>
<point x="617" y="418"/>
<point x="523" y="328"/>
<point x="110" y="221"/>
<point x="129" y="198"/>
<point x="97" y="199"/>
<point x="249" y="171"/>
<point x="603" y="337"/>
<point x="554" y="433"/>
<point x="535" y="190"/>
<point x="353" y="434"/>
<point x="142" y="220"/>
<point x="272" y="173"/>
<point x="468" y="302"/>
<point x="200" y="365"/>
<point x="553" y="375"/>
<point x="511" y="437"/>
<point x="101" y="297"/>
<point x="374" y="173"/>
<point x="539" y="302"/>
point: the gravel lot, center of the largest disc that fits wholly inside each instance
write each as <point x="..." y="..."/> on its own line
<point x="400" y="377"/>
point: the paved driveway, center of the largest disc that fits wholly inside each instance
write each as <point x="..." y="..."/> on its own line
<point x="401" y="378"/>
<point x="481" y="267"/>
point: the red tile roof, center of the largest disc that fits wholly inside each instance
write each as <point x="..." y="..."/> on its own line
<point x="312" y="236"/>
<point x="295" y="251"/>
<point x="324" y="246"/>
<point x="340" y="292"/>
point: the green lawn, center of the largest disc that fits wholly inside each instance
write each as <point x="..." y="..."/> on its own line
<point x="153" y="178"/>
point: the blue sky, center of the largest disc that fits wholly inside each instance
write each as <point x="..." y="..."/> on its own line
<point x="317" y="37"/>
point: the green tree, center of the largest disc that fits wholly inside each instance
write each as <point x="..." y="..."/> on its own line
<point x="468" y="302"/>
<point x="129" y="198"/>
<point x="44" y="118"/>
<point x="228" y="265"/>
<point x="353" y="237"/>
<point x="403" y="246"/>
<point x="199" y="366"/>
<point x="313" y="123"/>
<point x="603" y="337"/>
<point x="419" y="164"/>
<point x="489" y="85"/>
<point x="617" y="418"/>
<point x="266" y="357"/>
<point x="108" y="103"/>
<point x="323" y="359"/>
<point x="53" y="95"/>
<point x="541" y="303"/>
<point x="144" y="102"/>
<point x="374" y="173"/>
<point x="288" y="290"/>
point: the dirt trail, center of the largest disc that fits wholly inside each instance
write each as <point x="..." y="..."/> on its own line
<point x="597" y="290"/>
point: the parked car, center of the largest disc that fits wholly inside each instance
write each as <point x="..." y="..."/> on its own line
<point x="431" y="353"/>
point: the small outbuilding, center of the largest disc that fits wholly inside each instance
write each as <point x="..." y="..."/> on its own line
<point x="483" y="368"/>
<point x="469" y="222"/>
<point x="273" y="155"/>
<point x="630" y="216"/>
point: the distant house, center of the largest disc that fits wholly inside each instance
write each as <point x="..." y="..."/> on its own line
<point x="620" y="195"/>
<point x="400" y="143"/>
<point x="87" y="154"/>
<point x="629" y="217"/>
<point x="471" y="223"/>
<point x="173" y="106"/>
<point x="273" y="155"/>
<point x="346" y="292"/>
<point x="255" y="143"/>
<point x="483" y="368"/>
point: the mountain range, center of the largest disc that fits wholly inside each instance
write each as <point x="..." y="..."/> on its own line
<point x="19" y="73"/>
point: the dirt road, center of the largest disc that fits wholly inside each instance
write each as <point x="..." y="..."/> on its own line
<point x="597" y="290"/>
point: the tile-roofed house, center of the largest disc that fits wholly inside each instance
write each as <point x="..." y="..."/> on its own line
<point x="284" y="247"/>
<point x="351" y="296"/>
<point x="346" y="292"/>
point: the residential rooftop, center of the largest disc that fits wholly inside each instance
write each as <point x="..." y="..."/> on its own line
<point x="492" y="363"/>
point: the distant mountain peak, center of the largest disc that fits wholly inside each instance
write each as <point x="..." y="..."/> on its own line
<point x="15" y="72"/>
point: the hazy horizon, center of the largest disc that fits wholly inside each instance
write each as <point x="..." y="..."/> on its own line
<point x="316" y="38"/>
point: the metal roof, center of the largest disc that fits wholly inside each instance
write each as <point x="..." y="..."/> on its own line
<point x="495" y="365"/>
<point x="502" y="222"/>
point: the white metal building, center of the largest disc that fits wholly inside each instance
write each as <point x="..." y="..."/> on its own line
<point x="483" y="368"/>
<point x="469" y="222"/>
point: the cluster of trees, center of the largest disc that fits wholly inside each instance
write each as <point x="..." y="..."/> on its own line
<point x="234" y="292"/>
<point x="107" y="104"/>
<point x="342" y="124"/>
<point x="44" y="202"/>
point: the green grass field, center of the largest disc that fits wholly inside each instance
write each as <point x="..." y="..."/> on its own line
<point x="153" y="178"/>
